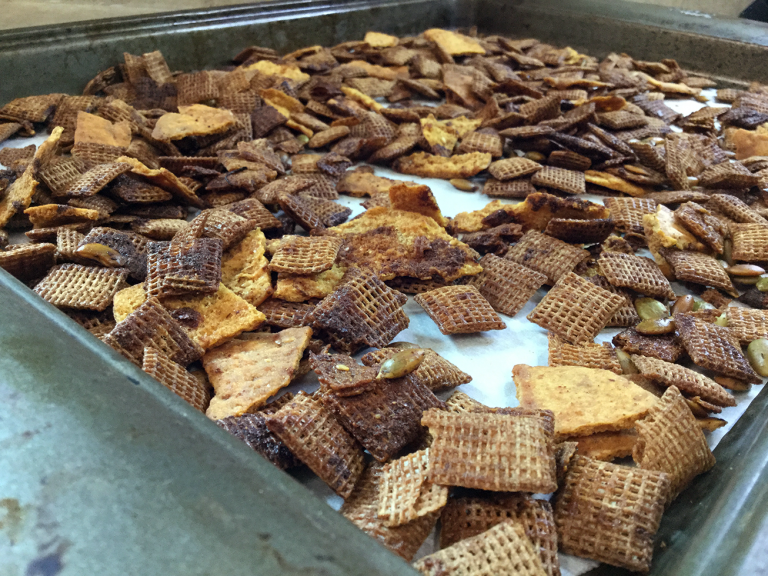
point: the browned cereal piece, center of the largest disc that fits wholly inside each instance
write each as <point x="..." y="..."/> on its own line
<point x="331" y="213"/>
<point x="175" y="268"/>
<point x="97" y="323"/>
<point x="252" y="429"/>
<point x="569" y="160"/>
<point x="434" y="372"/>
<point x="28" y="261"/>
<point x="300" y="212"/>
<point x="327" y="136"/>
<point x="699" y="268"/>
<point x="282" y="314"/>
<point x="747" y="325"/>
<point x="545" y="254"/>
<point x="494" y="240"/>
<point x="580" y="231"/>
<point x="490" y="452"/>
<point x="506" y="284"/>
<point x="67" y="240"/>
<point x="32" y="108"/>
<point x="159" y="228"/>
<point x="135" y="191"/>
<point x="714" y="348"/>
<point x="610" y="513"/>
<point x="431" y="166"/>
<point x="245" y="373"/>
<point x="175" y="378"/>
<point x="341" y="374"/>
<point x="727" y="175"/>
<point x="460" y="310"/>
<point x="735" y="209"/>
<point x="81" y="287"/>
<point x="519" y="188"/>
<point x="671" y="441"/>
<point x="132" y="247"/>
<point x="628" y="213"/>
<point x="589" y="355"/>
<point x="360" y="183"/>
<point x="9" y="156"/>
<point x="621" y="120"/>
<point x="564" y="453"/>
<point x="667" y="347"/>
<point x="301" y="287"/>
<point x="607" y="446"/>
<point x="567" y="181"/>
<point x="750" y="242"/>
<point x="488" y="143"/>
<point x="164" y="179"/>
<point x="716" y="298"/>
<point x="510" y="168"/>
<point x="8" y="129"/>
<point x="635" y="272"/>
<point x="311" y="432"/>
<point x="678" y="196"/>
<point x="626" y="315"/>
<point x="252" y="209"/>
<point x="710" y="229"/>
<point x="152" y="326"/>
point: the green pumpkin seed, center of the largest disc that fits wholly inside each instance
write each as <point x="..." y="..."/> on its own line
<point x="401" y="363"/>
<point x="762" y="284"/>
<point x="722" y="320"/>
<point x="745" y="270"/>
<point x="654" y="326"/>
<point x="683" y="304"/>
<point x="404" y="345"/>
<point x="700" y="304"/>
<point x="757" y="354"/>
<point x="535" y="156"/>
<point x="728" y="251"/>
<point x="627" y="366"/>
<point x="732" y="383"/>
<point x="303" y="138"/>
<point x="648" y="308"/>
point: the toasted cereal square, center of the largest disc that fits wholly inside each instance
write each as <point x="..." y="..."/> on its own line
<point x="175" y="268"/>
<point x="316" y="438"/>
<point x="330" y="213"/>
<point x="684" y="379"/>
<point x="159" y="228"/>
<point x="252" y="429"/>
<point x="300" y="211"/>
<point x="589" y="355"/>
<point x="610" y="513"/>
<point x="386" y="416"/>
<point x="459" y="310"/>
<point x="28" y="261"/>
<point x="750" y="242"/>
<point x="580" y="231"/>
<point x="670" y="440"/>
<point x="607" y="445"/>
<point x="510" y="168"/>
<point x="225" y="225"/>
<point x="434" y="372"/>
<point x="252" y="209"/>
<point x="667" y="347"/>
<point x="699" y="268"/>
<point x="735" y="209"/>
<point x="131" y="247"/>
<point x="708" y="228"/>
<point x="245" y="373"/>
<point x="640" y="274"/>
<point x="341" y="374"/>
<point x="545" y="254"/>
<point x="519" y="188"/>
<point x="628" y="213"/>
<point x="568" y="181"/>
<point x="405" y="492"/>
<point x="714" y="348"/>
<point x="93" y="181"/>
<point x="490" y="451"/>
<point x="506" y="284"/>
<point x="746" y="324"/>
<point x="482" y="142"/>
<point x="305" y="255"/>
<point x="575" y="309"/>
<point x="175" y="378"/>
<point x="81" y="287"/>
<point x="282" y="314"/>
<point x="626" y="315"/>
<point x="504" y="549"/>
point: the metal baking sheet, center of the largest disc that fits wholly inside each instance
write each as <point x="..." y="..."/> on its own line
<point x="88" y="436"/>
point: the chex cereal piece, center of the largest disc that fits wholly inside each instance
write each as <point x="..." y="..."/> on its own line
<point x="434" y="372"/>
<point x="570" y="160"/>
<point x="710" y="229"/>
<point x="621" y="120"/>
<point x="545" y="254"/>
<point x="504" y="549"/>
<point x="589" y="355"/>
<point x="81" y="287"/>
<point x="362" y="311"/>
<point x="667" y="347"/>
<point x="627" y="213"/>
<point x="459" y="310"/>
<point x="252" y="209"/>
<point x="386" y="416"/>
<point x="32" y="108"/>
<point x="405" y="493"/>
<point x="482" y="142"/>
<point x="305" y="254"/>
<point x="28" y="261"/>
<point x="519" y="188"/>
<point x="152" y="326"/>
<point x="640" y="274"/>
<point x="175" y="268"/>
<point x="575" y="309"/>
<point x="362" y="506"/>
<point x="491" y="452"/>
<point x="132" y="247"/>
<point x="510" y="168"/>
<point x="316" y="438"/>
<point x="727" y="175"/>
<point x="750" y="242"/>
<point x="330" y="213"/>
<point x="97" y="323"/>
<point x="670" y="440"/>
<point x="325" y="137"/>
<point x="461" y="403"/>
<point x="227" y="226"/>
<point x="300" y="212"/>
<point x="610" y="513"/>
<point x="699" y="268"/>
<point x="686" y="380"/>
<point x="626" y="315"/>
<point x="245" y="373"/>
<point x="282" y="314"/>
<point x="341" y="374"/>
<point x="175" y="378"/>
<point x="564" y="453"/>
<point x="747" y="324"/>
<point x="135" y="191"/>
<point x="160" y="228"/>
<point x="736" y="210"/>
<point x="568" y="181"/>
<point x="252" y="429"/>
<point x="506" y="284"/>
<point x="93" y="181"/>
<point x="580" y="231"/>
<point x="715" y="348"/>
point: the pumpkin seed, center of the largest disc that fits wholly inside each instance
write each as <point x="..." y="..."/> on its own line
<point x="722" y="320"/>
<point x="105" y="255"/>
<point x="732" y="383"/>
<point x="728" y="251"/>
<point x="745" y="270"/>
<point x="682" y="305"/>
<point x="303" y="138"/>
<point x="403" y="344"/>
<point x="535" y="156"/>
<point x="627" y="366"/>
<point x="762" y="284"/>
<point x="648" y="308"/>
<point x="654" y="326"/>
<point x="757" y="354"/>
<point x="700" y="304"/>
<point x="463" y="185"/>
<point x="401" y="363"/>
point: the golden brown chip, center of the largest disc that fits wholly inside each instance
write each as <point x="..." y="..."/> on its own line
<point x="194" y="120"/>
<point x="453" y="43"/>
<point x="418" y="198"/>
<point x="50" y="215"/>
<point x="606" y="446"/>
<point x="245" y="269"/>
<point x="612" y="182"/>
<point x="303" y="287"/>
<point x="431" y="166"/>
<point x="92" y="129"/>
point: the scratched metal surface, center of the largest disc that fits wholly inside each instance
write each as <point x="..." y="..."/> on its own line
<point x="105" y="471"/>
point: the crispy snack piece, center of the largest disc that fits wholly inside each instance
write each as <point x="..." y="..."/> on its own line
<point x="550" y="256"/>
<point x="302" y="287"/>
<point x="667" y="347"/>
<point x="175" y="268"/>
<point x="252" y="209"/>
<point x="81" y="287"/>
<point x="225" y="225"/>
<point x="405" y="492"/>
<point x="92" y="129"/>
<point x="628" y="213"/>
<point x="747" y="325"/>
<point x="341" y="374"/>
<point x="175" y="378"/>
<point x="93" y="181"/>
<point x="579" y="231"/>
<point x="491" y="452"/>
<point x="506" y="284"/>
<point x="315" y="437"/>
<point x="640" y="274"/>
<point x="613" y="182"/>
<point x="684" y="379"/>
<point x="460" y="310"/>
<point x="670" y="440"/>
<point x="710" y="229"/>
<point x="520" y="188"/>
<point x="715" y="348"/>
<point x="736" y="210"/>
<point x="244" y="269"/>
<point x="418" y="198"/>
<point x="194" y="120"/>
<point x="584" y="400"/>
<point x="510" y="168"/>
<point x="359" y="183"/>
<point x="568" y="181"/>
<point x="164" y="179"/>
<point x="245" y="373"/>
<point x="159" y="228"/>
<point x="661" y="229"/>
<point x="453" y="43"/>
<point x="434" y="372"/>
<point x="700" y="269"/>
<point x="284" y="314"/>
<point x="53" y="215"/>
<point x="626" y="315"/>
<point x="575" y="309"/>
<point x="28" y="261"/>
<point x="305" y="255"/>
<point x="361" y="312"/>
<point x="252" y="429"/>
<point x="152" y="326"/>
<point x="750" y="242"/>
<point x="607" y="446"/>
<point x="504" y="549"/>
<point x="361" y="508"/>
<point x="589" y="355"/>
<point x="430" y="166"/>
<point x="610" y="513"/>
